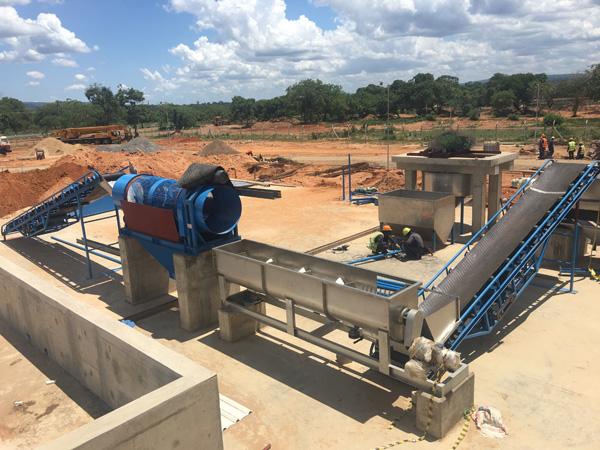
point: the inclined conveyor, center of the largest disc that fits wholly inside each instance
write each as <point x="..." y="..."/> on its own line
<point x="488" y="277"/>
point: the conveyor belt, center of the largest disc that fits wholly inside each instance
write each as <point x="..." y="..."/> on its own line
<point x="58" y="210"/>
<point x="476" y="268"/>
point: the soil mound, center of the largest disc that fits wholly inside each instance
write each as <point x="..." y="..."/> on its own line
<point x="137" y="145"/>
<point x="217" y="148"/>
<point x="52" y="147"/>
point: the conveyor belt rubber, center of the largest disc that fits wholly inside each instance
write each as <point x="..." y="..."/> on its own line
<point x="476" y="268"/>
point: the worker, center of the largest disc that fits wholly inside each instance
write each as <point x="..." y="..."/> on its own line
<point x="571" y="148"/>
<point x="550" y="148"/>
<point x="383" y="241"/>
<point x="596" y="154"/>
<point x="249" y="153"/>
<point x="543" y="147"/>
<point x="413" y="245"/>
<point x="581" y="151"/>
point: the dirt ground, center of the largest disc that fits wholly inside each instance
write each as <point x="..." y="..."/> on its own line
<point x="25" y="181"/>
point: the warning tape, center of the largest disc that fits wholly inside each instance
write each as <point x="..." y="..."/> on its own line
<point x="461" y="436"/>
<point x="592" y="271"/>
<point x="465" y="427"/>
<point x="440" y="371"/>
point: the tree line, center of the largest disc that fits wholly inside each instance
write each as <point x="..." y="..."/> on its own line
<point x="312" y="101"/>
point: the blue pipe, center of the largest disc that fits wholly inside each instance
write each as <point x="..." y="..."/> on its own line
<point x="374" y="257"/>
<point x="80" y="247"/>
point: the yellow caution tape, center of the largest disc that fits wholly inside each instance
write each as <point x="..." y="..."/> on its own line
<point x="592" y="272"/>
<point x="440" y="371"/>
<point x="465" y="428"/>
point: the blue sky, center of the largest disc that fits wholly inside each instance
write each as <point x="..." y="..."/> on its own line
<point x="188" y="51"/>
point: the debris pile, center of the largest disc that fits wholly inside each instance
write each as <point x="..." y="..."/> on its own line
<point x="137" y="145"/>
<point x="217" y="147"/>
<point x="52" y="147"/>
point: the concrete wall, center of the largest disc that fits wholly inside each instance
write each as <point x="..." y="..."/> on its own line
<point x="161" y="399"/>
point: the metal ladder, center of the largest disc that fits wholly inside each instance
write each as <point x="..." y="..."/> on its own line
<point x="494" y="298"/>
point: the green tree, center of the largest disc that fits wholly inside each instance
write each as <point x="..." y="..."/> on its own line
<point x="423" y="95"/>
<point x="183" y="117"/>
<point x="445" y="89"/>
<point x="503" y="102"/>
<point x="243" y="110"/>
<point x="304" y="99"/>
<point x="108" y="103"/>
<point x="129" y="99"/>
<point x="13" y="115"/>
<point x="66" y="114"/>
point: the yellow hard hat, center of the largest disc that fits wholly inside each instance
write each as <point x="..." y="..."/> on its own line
<point x="386" y="228"/>
<point x="406" y="231"/>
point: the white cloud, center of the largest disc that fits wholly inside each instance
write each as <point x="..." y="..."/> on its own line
<point x="33" y="83"/>
<point x="53" y="2"/>
<point x="80" y="77"/>
<point x="253" y="49"/>
<point x="75" y="87"/>
<point x="32" y="40"/>
<point x="35" y="75"/>
<point x="14" y="2"/>
<point x="160" y="83"/>
<point x="90" y="69"/>
<point x="64" y="62"/>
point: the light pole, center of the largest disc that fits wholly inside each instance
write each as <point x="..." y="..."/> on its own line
<point x="167" y="111"/>
<point x="387" y="125"/>
<point x="537" y="110"/>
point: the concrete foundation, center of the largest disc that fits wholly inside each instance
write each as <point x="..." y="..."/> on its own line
<point x="160" y="398"/>
<point x="234" y="326"/>
<point x="197" y="290"/>
<point x="145" y="278"/>
<point x="447" y="410"/>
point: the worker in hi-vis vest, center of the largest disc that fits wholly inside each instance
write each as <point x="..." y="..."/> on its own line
<point x="382" y="241"/>
<point x="571" y="148"/>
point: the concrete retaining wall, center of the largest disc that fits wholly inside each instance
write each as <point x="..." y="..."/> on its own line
<point x="160" y="398"/>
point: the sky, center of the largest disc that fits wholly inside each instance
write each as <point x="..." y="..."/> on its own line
<point x="188" y="51"/>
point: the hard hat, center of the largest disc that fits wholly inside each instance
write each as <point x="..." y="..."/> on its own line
<point x="406" y="231"/>
<point x="386" y="228"/>
<point x="543" y="135"/>
<point x="552" y="137"/>
<point x="570" y="139"/>
<point x="580" y="143"/>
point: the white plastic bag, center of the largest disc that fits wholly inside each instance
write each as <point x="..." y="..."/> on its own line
<point x="450" y="358"/>
<point x="421" y="349"/>
<point x="417" y="369"/>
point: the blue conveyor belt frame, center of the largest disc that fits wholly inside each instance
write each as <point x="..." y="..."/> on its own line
<point x="494" y="298"/>
<point x="47" y="217"/>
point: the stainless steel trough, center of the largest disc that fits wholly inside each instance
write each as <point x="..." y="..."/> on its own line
<point x="419" y="209"/>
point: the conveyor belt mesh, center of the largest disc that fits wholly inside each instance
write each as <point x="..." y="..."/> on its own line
<point x="472" y="272"/>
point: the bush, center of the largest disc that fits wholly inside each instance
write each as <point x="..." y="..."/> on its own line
<point x="314" y="135"/>
<point x="554" y="120"/>
<point x="474" y="114"/>
<point x="430" y="117"/>
<point x="514" y="117"/>
<point x="451" y="141"/>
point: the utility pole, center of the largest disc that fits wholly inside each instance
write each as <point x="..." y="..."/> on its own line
<point x="387" y="125"/>
<point x="537" y="110"/>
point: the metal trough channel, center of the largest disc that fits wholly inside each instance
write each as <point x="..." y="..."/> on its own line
<point x="301" y="283"/>
<point x="315" y="283"/>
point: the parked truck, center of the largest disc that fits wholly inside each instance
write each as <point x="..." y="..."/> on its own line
<point x="218" y="121"/>
<point x="110" y="134"/>
<point x="4" y="146"/>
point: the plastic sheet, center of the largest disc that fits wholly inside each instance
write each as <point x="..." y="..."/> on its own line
<point x="421" y="349"/>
